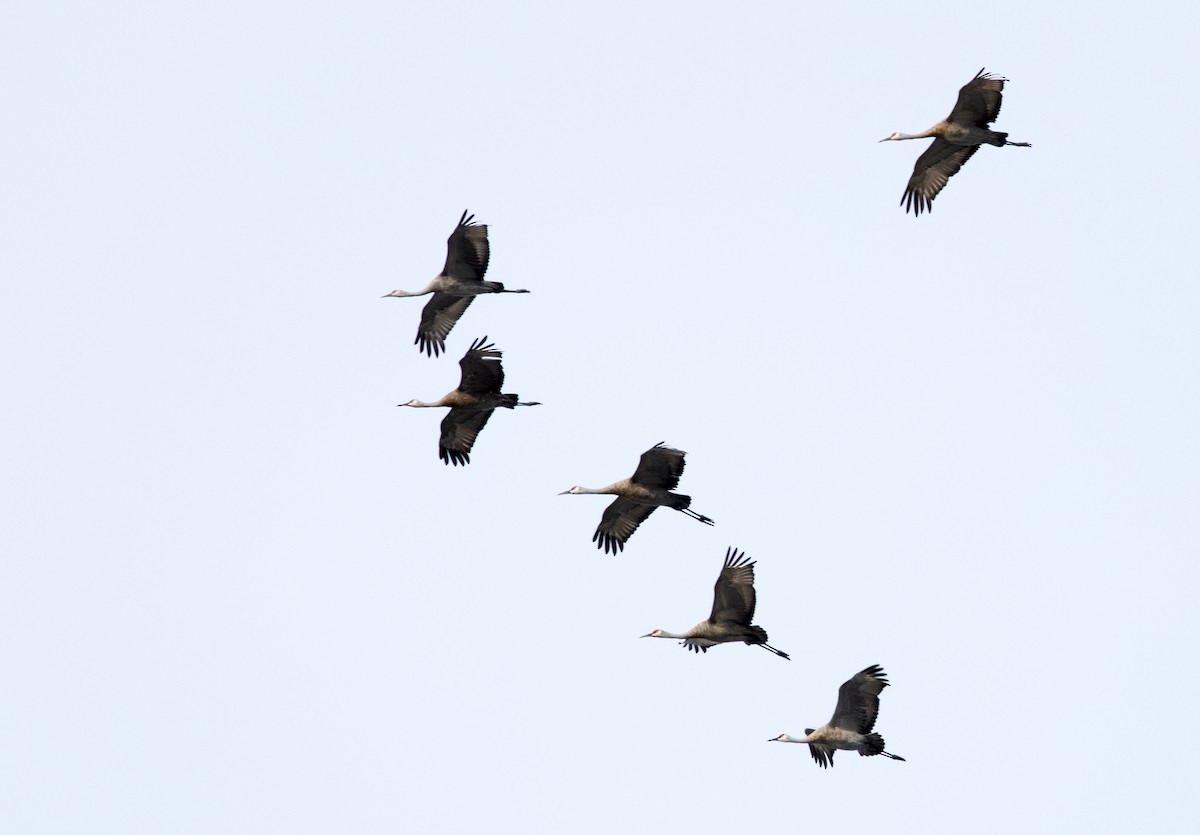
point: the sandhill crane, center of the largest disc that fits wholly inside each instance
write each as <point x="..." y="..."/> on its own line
<point x="472" y="403"/>
<point x="459" y="282"/>
<point x="649" y="487"/>
<point x="958" y="136"/>
<point x="732" y="611"/>
<point x="853" y="719"/>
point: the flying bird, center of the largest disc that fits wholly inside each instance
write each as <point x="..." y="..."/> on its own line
<point x="650" y="486"/>
<point x="853" y="719"/>
<point x="957" y="137"/>
<point x="732" y="611"/>
<point x="472" y="403"/>
<point x="456" y="286"/>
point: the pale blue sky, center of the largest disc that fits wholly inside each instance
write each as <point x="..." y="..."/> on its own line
<point x="239" y="593"/>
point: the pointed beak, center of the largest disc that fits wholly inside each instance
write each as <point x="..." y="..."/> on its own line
<point x="565" y="493"/>
<point x="885" y="139"/>
<point x="647" y="635"/>
<point x="773" y="739"/>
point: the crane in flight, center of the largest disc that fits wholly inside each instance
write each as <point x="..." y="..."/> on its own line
<point x="732" y="611"/>
<point x="649" y="487"/>
<point x="853" y="719"/>
<point x="456" y="286"/>
<point x="956" y="138"/>
<point x="472" y="403"/>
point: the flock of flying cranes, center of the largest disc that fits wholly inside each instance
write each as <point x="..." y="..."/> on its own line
<point x="955" y="139"/>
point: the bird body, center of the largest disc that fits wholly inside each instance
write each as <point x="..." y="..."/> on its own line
<point x="456" y="286"/>
<point x="850" y="729"/>
<point x="734" y="602"/>
<point x="956" y="139"/>
<point x="472" y="403"/>
<point x="649" y="487"/>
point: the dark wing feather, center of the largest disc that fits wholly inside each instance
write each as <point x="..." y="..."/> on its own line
<point x="858" y="701"/>
<point x="823" y="754"/>
<point x="481" y="370"/>
<point x="467" y="250"/>
<point x="733" y="594"/>
<point x="620" y="520"/>
<point x="978" y="101"/>
<point x="439" y="316"/>
<point x="660" y="466"/>
<point x="459" y="430"/>
<point x="938" y="164"/>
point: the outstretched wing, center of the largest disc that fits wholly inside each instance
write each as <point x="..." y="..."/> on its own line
<point x="938" y="164"/>
<point x="439" y="316"/>
<point x="467" y="250"/>
<point x="823" y="754"/>
<point x="979" y="100"/>
<point x="660" y="466"/>
<point x="733" y="594"/>
<point x="481" y="369"/>
<point x="858" y="701"/>
<point x="620" y="520"/>
<point x="459" y="430"/>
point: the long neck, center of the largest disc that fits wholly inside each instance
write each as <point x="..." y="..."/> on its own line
<point x="662" y="633"/>
<point x="421" y="404"/>
<point x="786" y="738"/>
<point x="595" y="491"/>
<point x="404" y="294"/>
<point x="933" y="131"/>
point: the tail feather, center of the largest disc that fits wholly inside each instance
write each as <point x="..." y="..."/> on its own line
<point x="498" y="287"/>
<point x="875" y="746"/>
<point x="683" y="503"/>
<point x="512" y="400"/>
<point x="1000" y="139"/>
<point x="759" y="638"/>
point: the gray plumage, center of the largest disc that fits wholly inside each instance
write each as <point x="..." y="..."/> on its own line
<point x="853" y="720"/>
<point x="454" y="288"/>
<point x="957" y="138"/>
<point x="732" y="612"/>
<point x="472" y="403"/>
<point x="649" y="487"/>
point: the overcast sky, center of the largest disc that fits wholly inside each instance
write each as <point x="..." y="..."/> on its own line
<point x="239" y="593"/>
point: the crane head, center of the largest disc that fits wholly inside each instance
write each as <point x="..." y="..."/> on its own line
<point x="893" y="136"/>
<point x="573" y="491"/>
<point x="410" y="403"/>
<point x="780" y="738"/>
<point x="657" y="633"/>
